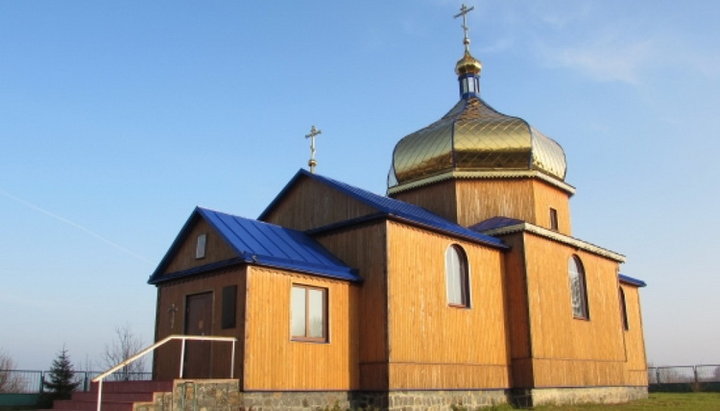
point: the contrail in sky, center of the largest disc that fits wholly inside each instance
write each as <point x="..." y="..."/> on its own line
<point x="73" y="224"/>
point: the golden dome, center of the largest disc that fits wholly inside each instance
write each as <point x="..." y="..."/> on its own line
<point x="468" y="65"/>
<point x="475" y="140"/>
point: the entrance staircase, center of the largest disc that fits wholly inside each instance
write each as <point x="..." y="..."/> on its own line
<point x="146" y="395"/>
<point x="117" y="396"/>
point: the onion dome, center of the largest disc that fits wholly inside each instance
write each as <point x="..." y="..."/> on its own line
<point x="468" y="65"/>
<point x="473" y="140"/>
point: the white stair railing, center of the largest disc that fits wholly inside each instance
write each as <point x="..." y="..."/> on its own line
<point x="183" y="338"/>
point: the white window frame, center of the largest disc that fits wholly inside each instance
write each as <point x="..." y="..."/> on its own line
<point x="457" y="277"/>
<point x="305" y="335"/>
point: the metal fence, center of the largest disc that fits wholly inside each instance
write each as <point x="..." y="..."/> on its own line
<point x="31" y="381"/>
<point x="684" y="374"/>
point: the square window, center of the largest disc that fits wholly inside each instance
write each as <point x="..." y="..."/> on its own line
<point x="308" y="313"/>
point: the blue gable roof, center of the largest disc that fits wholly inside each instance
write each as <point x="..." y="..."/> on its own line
<point x="263" y="244"/>
<point x="391" y="207"/>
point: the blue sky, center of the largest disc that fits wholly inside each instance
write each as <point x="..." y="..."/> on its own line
<point x="118" y="118"/>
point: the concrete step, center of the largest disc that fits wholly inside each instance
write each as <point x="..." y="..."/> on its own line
<point x="91" y="405"/>
<point x="116" y="396"/>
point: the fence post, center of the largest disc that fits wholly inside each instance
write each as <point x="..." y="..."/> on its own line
<point x="42" y="381"/>
<point x="657" y="374"/>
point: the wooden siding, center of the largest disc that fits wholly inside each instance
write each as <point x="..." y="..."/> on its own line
<point x="470" y="201"/>
<point x="364" y="247"/>
<point x="439" y="198"/>
<point x="479" y="200"/>
<point x="559" y="372"/>
<point x="310" y="204"/>
<point x="517" y="315"/>
<point x="431" y="344"/>
<point x="548" y="196"/>
<point x="170" y="319"/>
<point x="273" y="361"/>
<point x="634" y="338"/>
<point x="569" y="351"/>
<point x="216" y="249"/>
<point x="430" y="376"/>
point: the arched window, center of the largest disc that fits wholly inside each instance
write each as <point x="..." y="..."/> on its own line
<point x="623" y="310"/>
<point x="578" y="290"/>
<point x="456" y="275"/>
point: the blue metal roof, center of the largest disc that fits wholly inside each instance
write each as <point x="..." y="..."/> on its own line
<point x="392" y="207"/>
<point x="264" y="244"/>
<point x="632" y="281"/>
<point x="495" y="222"/>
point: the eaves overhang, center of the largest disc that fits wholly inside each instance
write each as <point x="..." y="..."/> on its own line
<point x="625" y="279"/>
<point x="480" y="175"/>
<point x="555" y="236"/>
<point x="255" y="261"/>
<point x="463" y="234"/>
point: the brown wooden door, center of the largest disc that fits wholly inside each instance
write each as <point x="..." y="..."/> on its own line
<point x="198" y="321"/>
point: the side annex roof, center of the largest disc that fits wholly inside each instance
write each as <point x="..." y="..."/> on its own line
<point x="259" y="243"/>
<point x="631" y="281"/>
<point x="390" y="207"/>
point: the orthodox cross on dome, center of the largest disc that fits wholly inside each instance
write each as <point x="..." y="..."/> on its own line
<point x="464" y="10"/>
<point x="314" y="132"/>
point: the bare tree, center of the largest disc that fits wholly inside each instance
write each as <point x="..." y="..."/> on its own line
<point x="125" y="346"/>
<point x="9" y="382"/>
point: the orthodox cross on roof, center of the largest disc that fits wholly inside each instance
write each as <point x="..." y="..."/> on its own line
<point x="464" y="10"/>
<point x="314" y="132"/>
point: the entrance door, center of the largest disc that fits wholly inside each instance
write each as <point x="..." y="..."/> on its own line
<point x="198" y="321"/>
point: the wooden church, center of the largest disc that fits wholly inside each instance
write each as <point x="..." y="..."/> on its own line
<point x="463" y="285"/>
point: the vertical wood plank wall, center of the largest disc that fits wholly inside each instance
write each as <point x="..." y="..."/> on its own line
<point x="311" y="204"/>
<point x="468" y="202"/>
<point x="364" y="247"/>
<point x="433" y="345"/>
<point x="440" y="198"/>
<point x="517" y="315"/>
<point x="273" y="361"/>
<point x="479" y="200"/>
<point x="634" y="338"/>
<point x="216" y="249"/>
<point x="171" y="303"/>
<point x="569" y="351"/>
<point x="547" y="196"/>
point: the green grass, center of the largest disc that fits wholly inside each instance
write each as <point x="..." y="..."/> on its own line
<point x="701" y="401"/>
<point x="704" y="401"/>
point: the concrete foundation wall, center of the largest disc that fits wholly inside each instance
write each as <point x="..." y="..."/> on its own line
<point x="584" y="395"/>
<point x="225" y="395"/>
<point x="360" y="400"/>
